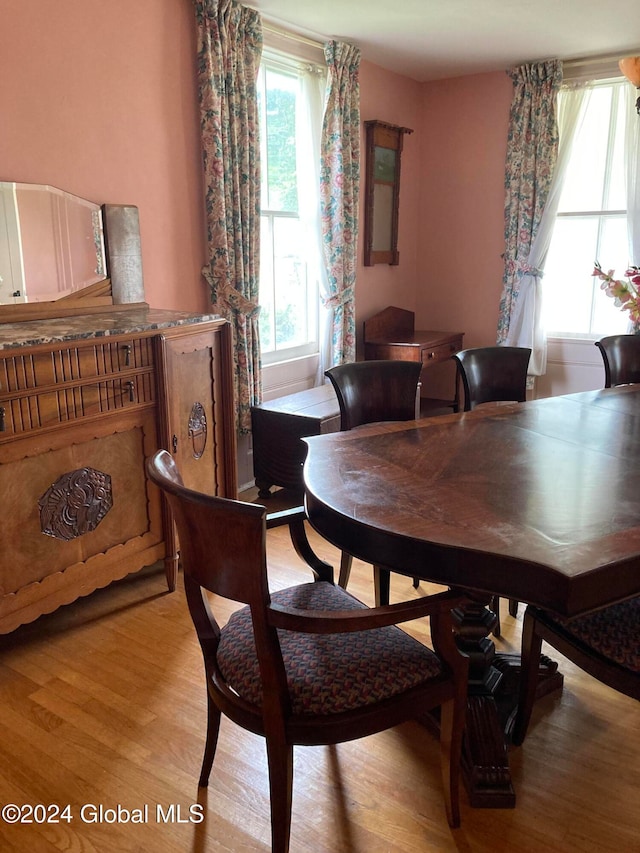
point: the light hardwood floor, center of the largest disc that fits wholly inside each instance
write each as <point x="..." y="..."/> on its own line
<point x="103" y="704"/>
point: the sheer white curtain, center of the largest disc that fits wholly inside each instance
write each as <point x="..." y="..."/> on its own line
<point x="526" y="328"/>
<point x="632" y="169"/>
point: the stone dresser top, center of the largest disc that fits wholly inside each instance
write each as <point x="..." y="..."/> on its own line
<point x="85" y="326"/>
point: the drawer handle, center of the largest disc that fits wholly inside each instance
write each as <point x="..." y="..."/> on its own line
<point x="132" y="389"/>
<point x="432" y="355"/>
<point x="3" y="426"/>
<point x="127" y="355"/>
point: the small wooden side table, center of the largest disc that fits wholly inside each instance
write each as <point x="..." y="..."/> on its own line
<point x="278" y="429"/>
<point x="391" y="334"/>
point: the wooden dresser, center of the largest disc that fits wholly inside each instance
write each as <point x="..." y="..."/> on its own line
<point x="84" y="400"/>
<point x="391" y="334"/>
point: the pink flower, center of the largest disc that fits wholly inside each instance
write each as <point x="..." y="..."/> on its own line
<point x="626" y="294"/>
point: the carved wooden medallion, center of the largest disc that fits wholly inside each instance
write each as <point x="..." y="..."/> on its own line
<point x="198" y="429"/>
<point x="75" y="504"/>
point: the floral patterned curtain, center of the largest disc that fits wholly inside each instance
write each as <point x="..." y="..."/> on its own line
<point x="229" y="51"/>
<point x="339" y="197"/>
<point x="532" y="149"/>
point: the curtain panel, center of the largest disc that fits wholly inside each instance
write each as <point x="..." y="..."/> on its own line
<point x="228" y="58"/>
<point x="532" y="148"/>
<point x="339" y="199"/>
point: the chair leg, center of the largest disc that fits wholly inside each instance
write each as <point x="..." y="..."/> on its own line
<point x="530" y="662"/>
<point x="280" y="758"/>
<point x="345" y="569"/>
<point x="513" y="607"/>
<point x="381" y="585"/>
<point x="452" y="717"/>
<point x="213" y="727"/>
<point x="416" y="583"/>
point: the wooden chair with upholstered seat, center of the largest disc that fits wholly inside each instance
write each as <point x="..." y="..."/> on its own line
<point x="309" y="664"/>
<point x="621" y="357"/>
<point x="605" y="644"/>
<point x="369" y="392"/>
<point x="495" y="374"/>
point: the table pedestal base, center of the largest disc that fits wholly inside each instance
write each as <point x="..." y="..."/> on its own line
<point x="492" y="703"/>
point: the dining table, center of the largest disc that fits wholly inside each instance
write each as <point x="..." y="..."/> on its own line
<point x="537" y="502"/>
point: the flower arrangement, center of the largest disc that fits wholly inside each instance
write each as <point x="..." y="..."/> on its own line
<point x="626" y="292"/>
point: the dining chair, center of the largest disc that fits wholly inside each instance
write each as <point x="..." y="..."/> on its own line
<point x="494" y="374"/>
<point x="309" y="664"/>
<point x="369" y="392"/>
<point x="605" y="644"/>
<point x="621" y="357"/>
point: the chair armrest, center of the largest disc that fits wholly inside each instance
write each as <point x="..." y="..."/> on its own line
<point x="345" y="621"/>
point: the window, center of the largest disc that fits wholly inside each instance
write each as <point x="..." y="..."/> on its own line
<point x="591" y="222"/>
<point x="288" y="237"/>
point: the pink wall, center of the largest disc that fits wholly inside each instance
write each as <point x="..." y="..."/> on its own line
<point x="99" y="99"/>
<point x="464" y="136"/>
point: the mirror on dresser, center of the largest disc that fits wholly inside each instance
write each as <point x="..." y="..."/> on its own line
<point x="61" y="254"/>
<point x="51" y="243"/>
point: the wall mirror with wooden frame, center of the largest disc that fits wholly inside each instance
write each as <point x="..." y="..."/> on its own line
<point x="382" y="191"/>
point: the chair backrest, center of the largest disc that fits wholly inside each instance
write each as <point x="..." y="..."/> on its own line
<point x="493" y="374"/>
<point x="621" y="357"/>
<point x="222" y="541"/>
<point x="378" y="390"/>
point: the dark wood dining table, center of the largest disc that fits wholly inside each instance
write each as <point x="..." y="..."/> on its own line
<point x="536" y="501"/>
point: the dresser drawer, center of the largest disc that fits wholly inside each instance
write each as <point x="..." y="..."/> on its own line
<point x="24" y="413"/>
<point x="45" y="389"/>
<point x="431" y="355"/>
<point x="23" y="371"/>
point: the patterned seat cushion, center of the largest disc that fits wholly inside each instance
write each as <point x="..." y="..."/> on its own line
<point x="326" y="673"/>
<point x="613" y="632"/>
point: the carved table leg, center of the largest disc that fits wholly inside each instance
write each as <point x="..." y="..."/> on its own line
<point x="492" y="701"/>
